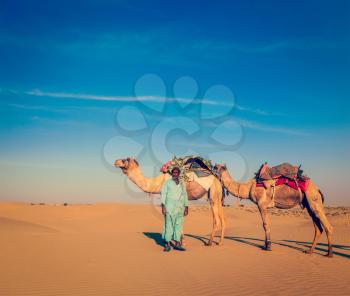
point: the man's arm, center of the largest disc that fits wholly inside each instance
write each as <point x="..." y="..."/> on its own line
<point x="163" y="195"/>
<point x="185" y="200"/>
<point x="163" y="209"/>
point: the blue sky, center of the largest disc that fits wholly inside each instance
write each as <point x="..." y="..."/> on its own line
<point x="73" y="76"/>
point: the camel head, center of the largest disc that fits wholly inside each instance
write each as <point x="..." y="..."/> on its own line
<point x="219" y="169"/>
<point x="126" y="164"/>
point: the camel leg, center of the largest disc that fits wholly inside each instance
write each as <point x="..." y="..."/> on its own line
<point x="223" y="224"/>
<point x="317" y="209"/>
<point x="219" y="195"/>
<point x="329" y="231"/>
<point x="318" y="230"/>
<point x="218" y="212"/>
<point x="216" y="221"/>
<point x="266" y="224"/>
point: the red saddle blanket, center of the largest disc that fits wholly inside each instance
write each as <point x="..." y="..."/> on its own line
<point x="302" y="184"/>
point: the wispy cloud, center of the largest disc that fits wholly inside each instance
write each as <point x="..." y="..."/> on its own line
<point x="39" y="93"/>
<point x="270" y="128"/>
<point x="259" y="127"/>
<point x="254" y="125"/>
<point x="259" y="111"/>
<point x="157" y="99"/>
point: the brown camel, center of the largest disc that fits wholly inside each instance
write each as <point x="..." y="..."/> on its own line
<point x="131" y="169"/>
<point x="283" y="197"/>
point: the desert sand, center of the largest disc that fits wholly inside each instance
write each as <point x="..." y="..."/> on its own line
<point x="114" y="249"/>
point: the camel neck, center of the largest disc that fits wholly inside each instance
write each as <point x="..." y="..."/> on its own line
<point x="241" y="190"/>
<point x="149" y="185"/>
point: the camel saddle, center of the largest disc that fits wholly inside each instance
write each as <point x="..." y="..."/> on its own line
<point x="196" y="165"/>
<point x="200" y="166"/>
<point x="283" y="174"/>
<point x="283" y="170"/>
<point x="195" y="168"/>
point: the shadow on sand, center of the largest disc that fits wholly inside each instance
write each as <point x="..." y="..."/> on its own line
<point x="157" y="237"/>
<point x="335" y="252"/>
<point x="258" y="243"/>
<point x="343" y="247"/>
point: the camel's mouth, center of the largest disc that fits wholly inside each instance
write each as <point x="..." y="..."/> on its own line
<point x="126" y="164"/>
<point x="120" y="163"/>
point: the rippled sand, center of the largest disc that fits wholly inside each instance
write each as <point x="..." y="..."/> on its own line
<point x="114" y="249"/>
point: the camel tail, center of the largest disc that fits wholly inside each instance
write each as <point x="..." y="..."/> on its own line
<point x="322" y="196"/>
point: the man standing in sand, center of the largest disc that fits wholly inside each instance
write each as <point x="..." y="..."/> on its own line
<point x="174" y="201"/>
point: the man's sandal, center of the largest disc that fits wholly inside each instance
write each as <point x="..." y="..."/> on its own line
<point x="167" y="249"/>
<point x="179" y="248"/>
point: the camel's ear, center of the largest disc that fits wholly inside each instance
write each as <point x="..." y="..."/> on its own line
<point x="128" y="158"/>
<point x="137" y="163"/>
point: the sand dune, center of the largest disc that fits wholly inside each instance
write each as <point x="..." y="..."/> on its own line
<point x="13" y="225"/>
<point x="115" y="249"/>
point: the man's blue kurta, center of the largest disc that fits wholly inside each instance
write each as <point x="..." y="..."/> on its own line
<point x="174" y="198"/>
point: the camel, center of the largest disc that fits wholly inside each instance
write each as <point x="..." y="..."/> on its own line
<point x="283" y="197"/>
<point x="130" y="167"/>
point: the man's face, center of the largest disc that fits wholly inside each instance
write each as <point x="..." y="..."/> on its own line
<point x="175" y="174"/>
